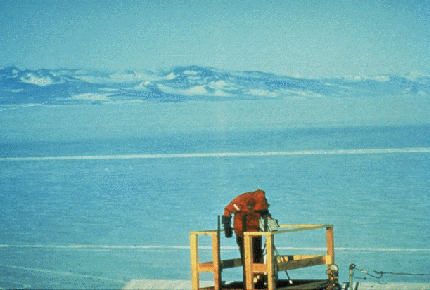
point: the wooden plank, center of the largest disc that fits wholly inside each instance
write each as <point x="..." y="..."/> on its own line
<point x="216" y="261"/>
<point x="284" y="263"/>
<point x="330" y="243"/>
<point x="308" y="286"/>
<point x="299" y="229"/>
<point x="207" y="232"/>
<point x="225" y="264"/>
<point x="206" y="267"/>
<point x="330" y="251"/>
<point x="296" y="257"/>
<point x="328" y="261"/>
<point x="259" y="268"/>
<point x="247" y="240"/>
<point x="304" y="226"/>
<point x="194" y="244"/>
<point x="270" y="263"/>
<point x="258" y="233"/>
<point x="231" y="263"/>
<point x="214" y="232"/>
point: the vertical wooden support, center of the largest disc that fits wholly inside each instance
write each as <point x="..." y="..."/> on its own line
<point x="194" y="245"/>
<point x="216" y="258"/>
<point x="271" y="283"/>
<point x="249" y="259"/>
<point x="330" y="249"/>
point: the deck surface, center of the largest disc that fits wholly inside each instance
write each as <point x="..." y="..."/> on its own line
<point x="186" y="285"/>
<point x="282" y="284"/>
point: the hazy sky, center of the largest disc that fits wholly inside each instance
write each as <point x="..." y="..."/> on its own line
<point x="291" y="37"/>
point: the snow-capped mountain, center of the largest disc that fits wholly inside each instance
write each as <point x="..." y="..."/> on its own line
<point x="71" y="86"/>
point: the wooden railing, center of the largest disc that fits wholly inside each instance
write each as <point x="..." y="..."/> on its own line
<point x="275" y="264"/>
<point x="272" y="265"/>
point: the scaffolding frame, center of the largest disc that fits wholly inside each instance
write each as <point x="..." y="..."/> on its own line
<point x="270" y="267"/>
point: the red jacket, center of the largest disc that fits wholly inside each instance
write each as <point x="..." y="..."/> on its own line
<point x="249" y="205"/>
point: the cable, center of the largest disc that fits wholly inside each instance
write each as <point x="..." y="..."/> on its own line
<point x="399" y="273"/>
<point x="379" y="274"/>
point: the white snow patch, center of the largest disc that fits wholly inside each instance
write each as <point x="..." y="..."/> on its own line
<point x="16" y="90"/>
<point x="108" y="89"/>
<point x="364" y="78"/>
<point x="168" y="90"/>
<point x="190" y="72"/>
<point x="220" y="93"/>
<point x="218" y="84"/>
<point x="91" y="97"/>
<point x="265" y="93"/>
<point x="170" y="76"/>
<point x="198" y="90"/>
<point x="303" y="94"/>
<point x="36" y="80"/>
<point x="142" y="86"/>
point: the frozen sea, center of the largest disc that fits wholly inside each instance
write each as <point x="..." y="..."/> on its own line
<point x="97" y="213"/>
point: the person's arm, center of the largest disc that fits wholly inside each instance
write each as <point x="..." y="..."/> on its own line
<point x="232" y="207"/>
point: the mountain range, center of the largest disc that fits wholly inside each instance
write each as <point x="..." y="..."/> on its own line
<point x="179" y="84"/>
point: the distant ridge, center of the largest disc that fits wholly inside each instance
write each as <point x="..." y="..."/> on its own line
<point x="74" y="86"/>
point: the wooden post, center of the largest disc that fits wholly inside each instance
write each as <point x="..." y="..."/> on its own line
<point x="330" y="249"/>
<point x="270" y="263"/>
<point x="216" y="258"/>
<point x="249" y="259"/>
<point x="194" y="245"/>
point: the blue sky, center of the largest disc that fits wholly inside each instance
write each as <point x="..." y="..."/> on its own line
<point x="306" y="38"/>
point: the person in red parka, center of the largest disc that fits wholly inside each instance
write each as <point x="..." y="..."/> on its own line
<point x="247" y="209"/>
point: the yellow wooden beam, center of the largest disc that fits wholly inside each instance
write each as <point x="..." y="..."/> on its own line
<point x="328" y="260"/>
<point x="206" y="267"/>
<point x="330" y="251"/>
<point x="299" y="261"/>
<point x="216" y="261"/>
<point x="249" y="258"/>
<point x="304" y="226"/>
<point x="207" y="232"/>
<point x="259" y="268"/>
<point x="299" y="229"/>
<point x="257" y="233"/>
<point x="194" y="245"/>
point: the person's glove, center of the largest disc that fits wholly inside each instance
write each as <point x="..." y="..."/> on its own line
<point x="226" y="222"/>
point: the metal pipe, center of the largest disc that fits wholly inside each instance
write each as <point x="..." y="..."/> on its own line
<point x="351" y="275"/>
